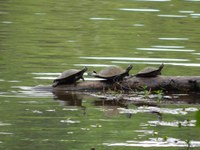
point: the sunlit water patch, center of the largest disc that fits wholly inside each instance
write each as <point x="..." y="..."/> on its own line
<point x="145" y="132"/>
<point x="157" y="63"/>
<point x="40" y="13"/>
<point x="37" y="112"/>
<point x="196" y="53"/>
<point x="44" y="78"/>
<point x="70" y="109"/>
<point x="166" y="49"/>
<point x="7" y="22"/>
<point x="173" y="16"/>
<point x="177" y="111"/>
<point x="173" y="39"/>
<point x="138" y="25"/>
<point x="45" y="75"/>
<point x="6" y="133"/>
<point x="157" y="142"/>
<point x="93" y="65"/>
<point x="186" y="11"/>
<point x="26" y="91"/>
<point x="185" y="123"/>
<point x="69" y="121"/>
<point x="195" y="15"/>
<point x="104" y="19"/>
<point x="135" y="59"/>
<point x="139" y="10"/>
<point x="29" y="102"/>
<point x="4" y="124"/>
<point x="168" y="46"/>
<point x="193" y="0"/>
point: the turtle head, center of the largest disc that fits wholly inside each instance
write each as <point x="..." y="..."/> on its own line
<point x="92" y="73"/>
<point x="161" y="66"/>
<point x="84" y="69"/>
<point x="129" y="68"/>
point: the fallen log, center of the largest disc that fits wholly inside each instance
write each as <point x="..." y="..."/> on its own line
<point x="165" y="83"/>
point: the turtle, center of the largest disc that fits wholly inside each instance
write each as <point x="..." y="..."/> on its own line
<point x="113" y="73"/>
<point x="69" y="76"/>
<point x="150" y="71"/>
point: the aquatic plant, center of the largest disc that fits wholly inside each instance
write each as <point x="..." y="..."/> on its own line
<point x="146" y="91"/>
<point x="188" y="142"/>
<point x="159" y="94"/>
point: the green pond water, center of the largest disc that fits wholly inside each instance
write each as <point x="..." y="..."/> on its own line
<point x="39" y="39"/>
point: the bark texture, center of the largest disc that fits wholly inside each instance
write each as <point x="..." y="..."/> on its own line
<point x="167" y="83"/>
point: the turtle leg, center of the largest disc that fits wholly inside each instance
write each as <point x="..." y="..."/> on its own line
<point x="56" y="83"/>
<point x="82" y="78"/>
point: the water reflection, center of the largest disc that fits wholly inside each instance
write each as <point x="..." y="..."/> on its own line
<point x="173" y="16"/>
<point x="102" y="19"/>
<point x="72" y="100"/>
<point x="193" y="0"/>
<point x="139" y="10"/>
<point x="185" y="123"/>
<point x="68" y="99"/>
<point x="186" y="11"/>
<point x="157" y="142"/>
<point x="173" y="39"/>
<point x="39" y="13"/>
<point x="156" y="63"/>
<point x="132" y="60"/>
<point x="196" y="53"/>
<point x="135" y="58"/>
<point x="166" y="49"/>
<point x="138" y="25"/>
<point x="7" y="22"/>
<point x="143" y="109"/>
<point x="195" y="15"/>
<point x="168" y="46"/>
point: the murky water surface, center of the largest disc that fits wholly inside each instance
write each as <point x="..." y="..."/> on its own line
<point x="40" y="38"/>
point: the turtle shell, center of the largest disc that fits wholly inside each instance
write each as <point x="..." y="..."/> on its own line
<point x="150" y="71"/>
<point x="113" y="73"/>
<point x="69" y="76"/>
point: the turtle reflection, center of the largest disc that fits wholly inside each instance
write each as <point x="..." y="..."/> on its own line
<point x="68" y="99"/>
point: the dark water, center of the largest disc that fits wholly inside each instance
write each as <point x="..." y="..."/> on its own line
<point x="40" y="38"/>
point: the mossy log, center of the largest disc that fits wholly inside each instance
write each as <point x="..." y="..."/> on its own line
<point x="165" y="83"/>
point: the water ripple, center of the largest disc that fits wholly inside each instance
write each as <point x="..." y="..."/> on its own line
<point x="164" y="46"/>
<point x="166" y="49"/>
<point x="174" y="39"/>
<point x="102" y="19"/>
<point x="186" y="11"/>
<point x="193" y="0"/>
<point x="139" y="9"/>
<point x="184" y="123"/>
<point x="156" y="63"/>
<point x="70" y="121"/>
<point x="195" y="15"/>
<point x="4" y="124"/>
<point x="173" y="16"/>
<point x="156" y="142"/>
<point x="134" y="58"/>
